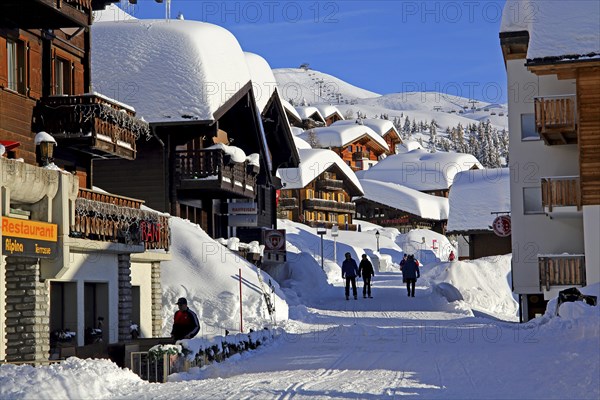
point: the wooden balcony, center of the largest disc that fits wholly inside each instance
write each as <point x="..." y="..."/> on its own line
<point x="110" y="218"/>
<point x="329" y="185"/>
<point x="328" y="205"/>
<point x="287" y="203"/>
<point x="212" y="172"/>
<point x="556" y="119"/>
<point x="92" y="123"/>
<point x="561" y="270"/>
<point x="329" y="225"/>
<point x="561" y="194"/>
<point x="360" y="155"/>
<point x="51" y="14"/>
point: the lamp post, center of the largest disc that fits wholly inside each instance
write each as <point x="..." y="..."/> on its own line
<point x="321" y="230"/>
<point x="46" y="143"/>
<point x="334" y="234"/>
<point x="377" y="236"/>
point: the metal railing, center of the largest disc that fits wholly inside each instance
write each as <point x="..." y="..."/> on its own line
<point x="561" y="270"/>
<point x="561" y="191"/>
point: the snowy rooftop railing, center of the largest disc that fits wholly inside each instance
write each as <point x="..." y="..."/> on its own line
<point x="561" y="270"/>
<point x="110" y="218"/>
<point x="93" y="122"/>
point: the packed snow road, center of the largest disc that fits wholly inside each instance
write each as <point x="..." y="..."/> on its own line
<point x="389" y="346"/>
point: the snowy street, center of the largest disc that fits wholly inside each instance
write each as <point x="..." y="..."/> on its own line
<point x="390" y="346"/>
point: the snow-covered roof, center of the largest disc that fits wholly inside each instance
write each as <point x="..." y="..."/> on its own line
<point x="301" y="144"/>
<point x="313" y="162"/>
<point x="406" y="199"/>
<point x="342" y="135"/>
<point x="474" y="195"/>
<point x="172" y="70"/>
<point x="557" y="29"/>
<point x="328" y="110"/>
<point x="381" y="126"/>
<point x="263" y="80"/>
<point x="306" y="112"/>
<point x="409" y="145"/>
<point x="421" y="170"/>
<point x="296" y="131"/>
<point x="290" y="109"/>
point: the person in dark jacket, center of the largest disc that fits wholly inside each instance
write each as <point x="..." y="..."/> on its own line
<point x="365" y="269"/>
<point x="410" y="273"/>
<point x="185" y="322"/>
<point x="349" y="271"/>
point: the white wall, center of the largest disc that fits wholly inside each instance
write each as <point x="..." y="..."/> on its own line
<point x="591" y="226"/>
<point x="529" y="162"/>
<point x="141" y="275"/>
<point x="96" y="268"/>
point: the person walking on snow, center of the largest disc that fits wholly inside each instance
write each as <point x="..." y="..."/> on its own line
<point x="349" y="271"/>
<point x="185" y="322"/>
<point x="410" y="273"/>
<point x="451" y="257"/>
<point x="365" y="269"/>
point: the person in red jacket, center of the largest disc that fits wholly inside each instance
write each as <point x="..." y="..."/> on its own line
<point x="185" y="322"/>
<point x="451" y="257"/>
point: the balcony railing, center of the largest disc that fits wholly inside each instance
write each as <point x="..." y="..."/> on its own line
<point x="556" y="119"/>
<point x="111" y="218"/>
<point x="360" y="155"/>
<point x="561" y="192"/>
<point x="287" y="203"/>
<point x="92" y="123"/>
<point x="561" y="270"/>
<point x="79" y="4"/>
<point x="332" y="185"/>
<point x="328" y="205"/>
<point x="213" y="169"/>
<point x="329" y="225"/>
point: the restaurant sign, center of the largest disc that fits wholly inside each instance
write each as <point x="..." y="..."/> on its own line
<point x="29" y="238"/>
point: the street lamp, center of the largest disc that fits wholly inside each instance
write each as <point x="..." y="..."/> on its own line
<point x="321" y="230"/>
<point x="46" y="143"/>
<point x="377" y="236"/>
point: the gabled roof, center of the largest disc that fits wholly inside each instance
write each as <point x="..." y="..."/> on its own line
<point x="343" y="135"/>
<point x="557" y="30"/>
<point x="475" y="195"/>
<point x="293" y="115"/>
<point x="280" y="139"/>
<point x="313" y="162"/>
<point x="263" y="80"/>
<point x="327" y="110"/>
<point x="170" y="71"/>
<point x="421" y="170"/>
<point x="381" y="126"/>
<point x="306" y="112"/>
<point x="406" y="199"/>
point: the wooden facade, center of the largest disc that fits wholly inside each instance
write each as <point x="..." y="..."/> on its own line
<point x="384" y="215"/>
<point x="359" y="152"/>
<point x="392" y="138"/>
<point x="326" y="200"/>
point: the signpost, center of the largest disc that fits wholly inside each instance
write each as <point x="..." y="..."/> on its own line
<point x="321" y="230"/>
<point x="334" y="234"/>
<point x="502" y="225"/>
<point x="29" y="238"/>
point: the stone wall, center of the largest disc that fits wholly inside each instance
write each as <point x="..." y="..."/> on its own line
<point x="125" y="297"/>
<point x="156" y="301"/>
<point x="27" y="311"/>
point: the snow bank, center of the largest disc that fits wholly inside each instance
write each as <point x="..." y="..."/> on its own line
<point x="206" y="273"/>
<point x="484" y="285"/>
<point x="427" y="246"/>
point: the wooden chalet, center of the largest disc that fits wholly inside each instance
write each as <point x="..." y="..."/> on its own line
<point x="358" y="145"/>
<point x="45" y="96"/>
<point x="310" y="116"/>
<point x="186" y="169"/>
<point x="330" y="113"/>
<point x="383" y="127"/>
<point x="319" y="191"/>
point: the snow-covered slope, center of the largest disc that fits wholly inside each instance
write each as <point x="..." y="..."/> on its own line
<point x="316" y="87"/>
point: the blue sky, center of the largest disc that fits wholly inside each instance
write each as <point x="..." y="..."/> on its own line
<point x="382" y="46"/>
